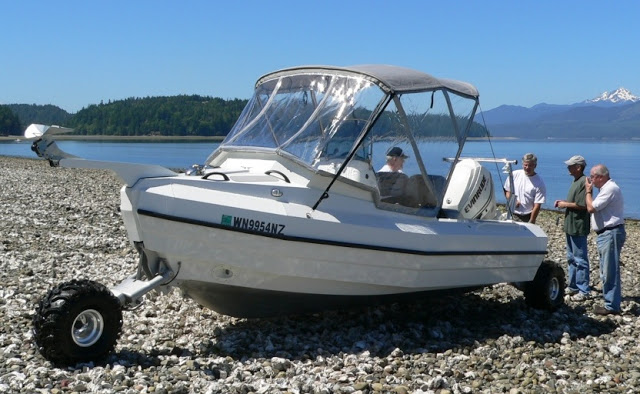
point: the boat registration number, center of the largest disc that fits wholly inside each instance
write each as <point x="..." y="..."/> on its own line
<point x="252" y="224"/>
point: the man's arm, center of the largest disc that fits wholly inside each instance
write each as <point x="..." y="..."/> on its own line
<point x="588" y="186"/>
<point x="570" y="205"/>
<point x="534" y="212"/>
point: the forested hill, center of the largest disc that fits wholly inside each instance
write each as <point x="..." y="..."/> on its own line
<point x="9" y="122"/>
<point x="32" y="113"/>
<point x="174" y="116"/>
<point x="166" y="116"/>
<point x="154" y="116"/>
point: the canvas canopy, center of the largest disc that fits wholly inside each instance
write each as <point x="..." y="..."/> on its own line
<point x="393" y="79"/>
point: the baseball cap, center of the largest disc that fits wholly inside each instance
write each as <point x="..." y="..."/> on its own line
<point x="396" y="152"/>
<point x="577" y="159"/>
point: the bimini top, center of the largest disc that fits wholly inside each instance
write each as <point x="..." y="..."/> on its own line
<point x="393" y="79"/>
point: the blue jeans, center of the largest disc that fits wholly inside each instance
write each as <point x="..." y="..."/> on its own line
<point x="609" y="247"/>
<point x="578" y="259"/>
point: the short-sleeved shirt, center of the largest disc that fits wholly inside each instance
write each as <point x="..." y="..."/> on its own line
<point x="576" y="221"/>
<point x="386" y="168"/>
<point x="529" y="190"/>
<point x="609" y="206"/>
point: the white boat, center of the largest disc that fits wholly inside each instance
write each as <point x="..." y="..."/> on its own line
<point x="292" y="214"/>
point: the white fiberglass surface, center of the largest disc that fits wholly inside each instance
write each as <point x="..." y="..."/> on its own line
<point x="264" y="262"/>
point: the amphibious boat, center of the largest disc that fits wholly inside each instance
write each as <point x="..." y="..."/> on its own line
<point x="298" y="210"/>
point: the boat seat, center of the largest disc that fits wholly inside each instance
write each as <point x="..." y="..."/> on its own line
<point x="356" y="170"/>
<point x="392" y="186"/>
<point x="418" y="194"/>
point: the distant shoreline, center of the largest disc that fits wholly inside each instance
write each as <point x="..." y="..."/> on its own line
<point x="551" y="139"/>
<point x="143" y="138"/>
<point x="173" y="138"/>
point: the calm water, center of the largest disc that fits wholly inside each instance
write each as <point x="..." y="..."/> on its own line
<point x="168" y="154"/>
<point x="622" y="158"/>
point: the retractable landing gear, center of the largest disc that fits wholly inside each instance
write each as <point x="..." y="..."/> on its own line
<point x="546" y="290"/>
<point x="77" y="321"/>
<point x="81" y="320"/>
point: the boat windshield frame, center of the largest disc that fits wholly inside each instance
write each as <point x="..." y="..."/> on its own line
<point x="316" y="115"/>
<point x="348" y="83"/>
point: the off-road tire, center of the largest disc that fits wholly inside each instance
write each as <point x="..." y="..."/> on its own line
<point x="68" y="304"/>
<point x="546" y="290"/>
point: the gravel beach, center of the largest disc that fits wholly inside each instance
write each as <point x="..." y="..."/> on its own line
<point x="57" y="224"/>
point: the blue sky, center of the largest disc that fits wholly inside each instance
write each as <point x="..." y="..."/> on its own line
<point x="76" y="53"/>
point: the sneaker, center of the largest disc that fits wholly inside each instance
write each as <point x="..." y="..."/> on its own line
<point x="571" y="291"/>
<point x="580" y="297"/>
<point x="602" y="311"/>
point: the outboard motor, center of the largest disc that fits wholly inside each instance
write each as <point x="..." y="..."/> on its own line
<point x="470" y="193"/>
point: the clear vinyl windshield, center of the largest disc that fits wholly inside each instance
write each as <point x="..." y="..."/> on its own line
<point x="398" y="142"/>
<point x="307" y="116"/>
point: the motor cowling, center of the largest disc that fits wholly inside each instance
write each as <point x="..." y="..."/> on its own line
<point x="470" y="192"/>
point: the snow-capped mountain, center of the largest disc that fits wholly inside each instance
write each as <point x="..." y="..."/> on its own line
<point x="619" y="96"/>
<point x="614" y="114"/>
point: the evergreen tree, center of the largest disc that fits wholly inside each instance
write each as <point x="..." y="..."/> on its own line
<point x="9" y="122"/>
<point x="43" y="114"/>
<point x="166" y="116"/>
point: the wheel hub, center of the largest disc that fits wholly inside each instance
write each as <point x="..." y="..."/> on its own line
<point x="87" y="328"/>
<point x="554" y="288"/>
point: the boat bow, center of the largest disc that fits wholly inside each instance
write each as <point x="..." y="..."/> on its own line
<point x="128" y="173"/>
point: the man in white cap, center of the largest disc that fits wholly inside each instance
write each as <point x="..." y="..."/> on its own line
<point x="529" y="189"/>
<point x="576" y="228"/>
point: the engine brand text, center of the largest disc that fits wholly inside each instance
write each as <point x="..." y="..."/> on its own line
<point x="475" y="197"/>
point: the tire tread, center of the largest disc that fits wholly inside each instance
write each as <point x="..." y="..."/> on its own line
<point x="56" y="311"/>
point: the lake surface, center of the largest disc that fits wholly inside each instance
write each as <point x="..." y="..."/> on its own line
<point x="622" y="158"/>
<point x="167" y="154"/>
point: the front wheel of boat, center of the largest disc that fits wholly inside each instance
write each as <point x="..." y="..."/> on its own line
<point x="77" y="321"/>
<point x="546" y="290"/>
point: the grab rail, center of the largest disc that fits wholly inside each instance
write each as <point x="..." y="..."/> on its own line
<point x="224" y="176"/>
<point x="284" y="177"/>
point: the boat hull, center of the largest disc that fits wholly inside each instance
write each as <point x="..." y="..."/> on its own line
<point x="247" y="273"/>
<point x="256" y="303"/>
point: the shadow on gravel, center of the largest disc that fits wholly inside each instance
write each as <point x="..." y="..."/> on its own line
<point x="433" y="325"/>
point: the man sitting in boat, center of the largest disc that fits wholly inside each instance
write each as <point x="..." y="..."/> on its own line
<point x="391" y="180"/>
<point x="395" y="160"/>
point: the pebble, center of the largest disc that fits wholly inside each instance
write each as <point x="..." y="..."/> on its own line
<point x="57" y="224"/>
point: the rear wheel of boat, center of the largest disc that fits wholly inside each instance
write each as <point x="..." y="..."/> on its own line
<point x="77" y="321"/>
<point x="546" y="290"/>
